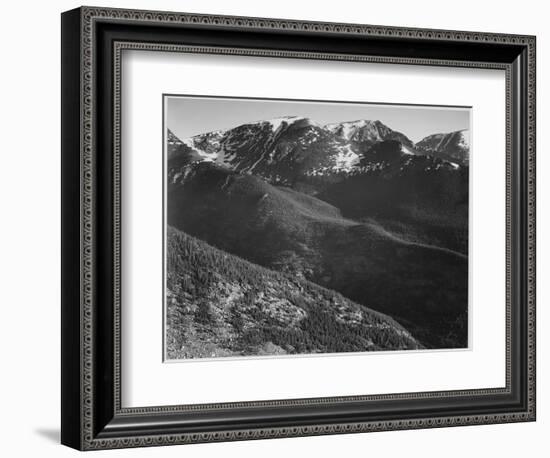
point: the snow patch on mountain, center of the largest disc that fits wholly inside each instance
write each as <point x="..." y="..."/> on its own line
<point x="344" y="129"/>
<point x="451" y="146"/>
<point x="349" y="129"/>
<point x="407" y="150"/>
<point x="346" y="159"/>
<point x="277" y="122"/>
<point x="253" y="166"/>
<point x="206" y="156"/>
<point x="464" y="138"/>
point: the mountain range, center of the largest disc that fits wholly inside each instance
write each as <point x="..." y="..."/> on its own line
<point x="354" y="208"/>
<point x="290" y="147"/>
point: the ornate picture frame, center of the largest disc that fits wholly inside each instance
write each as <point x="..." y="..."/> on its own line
<point x="93" y="416"/>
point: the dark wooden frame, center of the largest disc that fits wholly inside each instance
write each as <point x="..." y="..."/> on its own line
<point x="92" y="40"/>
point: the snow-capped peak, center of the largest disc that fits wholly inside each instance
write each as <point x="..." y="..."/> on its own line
<point x="276" y="122"/>
<point x="288" y="121"/>
<point x="365" y="127"/>
<point x="452" y="146"/>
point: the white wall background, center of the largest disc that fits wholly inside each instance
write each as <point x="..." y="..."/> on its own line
<point x="30" y="214"/>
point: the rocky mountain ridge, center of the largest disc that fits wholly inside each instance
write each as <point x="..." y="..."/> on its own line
<point x="288" y="148"/>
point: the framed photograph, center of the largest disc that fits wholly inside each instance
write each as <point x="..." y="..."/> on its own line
<point x="276" y="228"/>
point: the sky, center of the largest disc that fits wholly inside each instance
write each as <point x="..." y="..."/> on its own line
<point x="191" y="115"/>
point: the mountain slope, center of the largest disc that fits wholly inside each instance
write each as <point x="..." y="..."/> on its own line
<point x="422" y="286"/>
<point x="452" y="146"/>
<point x="280" y="149"/>
<point x="221" y="305"/>
<point x="365" y="133"/>
<point x="284" y="150"/>
<point x="426" y="196"/>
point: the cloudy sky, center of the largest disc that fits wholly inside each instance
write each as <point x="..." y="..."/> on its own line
<point x="191" y="115"/>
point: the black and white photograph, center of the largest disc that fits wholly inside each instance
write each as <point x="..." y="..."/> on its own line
<point x="312" y="227"/>
<point x="278" y="222"/>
